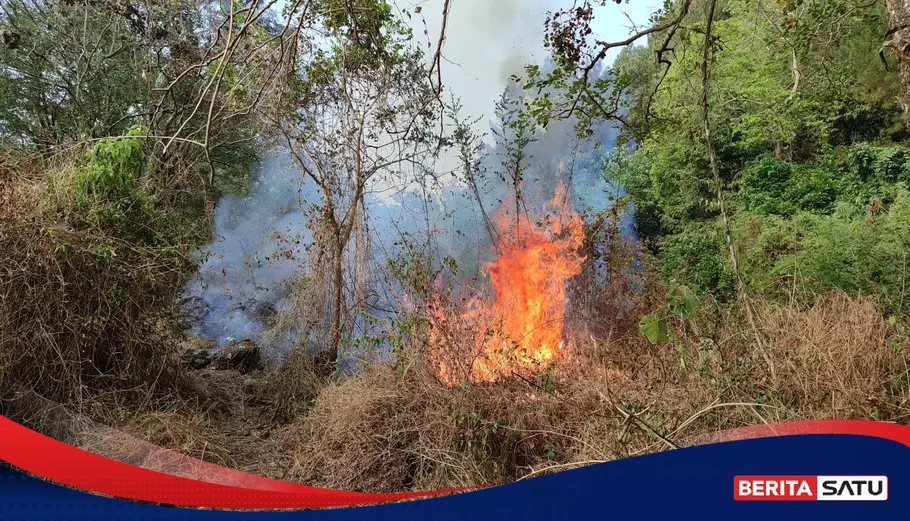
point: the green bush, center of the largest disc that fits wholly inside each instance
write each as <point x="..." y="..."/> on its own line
<point x="697" y="257"/>
<point x="763" y="240"/>
<point x="851" y="250"/>
<point x="774" y="187"/>
<point x="631" y="170"/>
<point x="877" y="163"/>
<point x="107" y="192"/>
<point x="667" y="183"/>
<point x="113" y="167"/>
<point x="762" y="187"/>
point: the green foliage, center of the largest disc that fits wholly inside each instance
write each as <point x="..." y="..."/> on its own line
<point x="697" y="256"/>
<point x="109" y="193"/>
<point x="802" y="110"/>
<point x="113" y="167"/>
<point x="845" y="251"/>
<point x="665" y="178"/>
<point x="654" y="328"/>
<point x="772" y="186"/>
<point x="877" y="163"/>
<point x="681" y="303"/>
<point x="106" y="191"/>
<point x="366" y="36"/>
<point x="77" y="72"/>
<point x="850" y="250"/>
<point x="63" y="79"/>
<point x="362" y="20"/>
<point x="417" y="272"/>
<point x="762" y="241"/>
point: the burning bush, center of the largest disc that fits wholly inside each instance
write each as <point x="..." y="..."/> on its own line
<point x="523" y="328"/>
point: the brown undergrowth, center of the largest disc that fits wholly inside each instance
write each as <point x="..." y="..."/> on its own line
<point x="85" y="315"/>
<point x="395" y="427"/>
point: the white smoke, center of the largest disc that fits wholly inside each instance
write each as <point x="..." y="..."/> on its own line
<point x="259" y="243"/>
<point x="261" y="239"/>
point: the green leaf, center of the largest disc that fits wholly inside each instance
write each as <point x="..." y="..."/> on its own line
<point x="654" y="329"/>
<point x="682" y="301"/>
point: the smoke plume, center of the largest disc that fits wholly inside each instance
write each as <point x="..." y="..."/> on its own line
<point x="260" y="246"/>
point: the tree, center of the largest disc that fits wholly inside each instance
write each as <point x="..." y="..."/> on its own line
<point x="363" y="117"/>
<point x="469" y="146"/>
<point x="192" y="75"/>
<point x="513" y="135"/>
<point x="68" y="71"/>
<point x="899" y="21"/>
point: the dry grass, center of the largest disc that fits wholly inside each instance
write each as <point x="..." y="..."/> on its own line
<point x="194" y="435"/>
<point x="395" y="427"/>
<point x="833" y="359"/>
<point x="186" y="439"/>
<point x="84" y="316"/>
<point x="287" y="389"/>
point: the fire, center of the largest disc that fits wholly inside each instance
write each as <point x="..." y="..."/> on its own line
<point x="522" y="331"/>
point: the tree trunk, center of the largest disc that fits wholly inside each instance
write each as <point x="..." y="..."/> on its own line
<point x="899" y="20"/>
<point x="337" y="280"/>
<point x="741" y="289"/>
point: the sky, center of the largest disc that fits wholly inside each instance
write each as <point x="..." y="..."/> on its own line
<point x="489" y="40"/>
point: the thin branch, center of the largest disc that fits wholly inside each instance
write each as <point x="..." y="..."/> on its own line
<point x="719" y="190"/>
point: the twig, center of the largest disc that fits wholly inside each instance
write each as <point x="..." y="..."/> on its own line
<point x="641" y="423"/>
<point x="561" y="466"/>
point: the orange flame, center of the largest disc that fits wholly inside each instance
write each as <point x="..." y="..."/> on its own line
<point x="525" y="322"/>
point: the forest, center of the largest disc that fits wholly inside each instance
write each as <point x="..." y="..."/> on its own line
<point x="271" y="235"/>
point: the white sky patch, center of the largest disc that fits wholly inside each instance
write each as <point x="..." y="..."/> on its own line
<point x="489" y="40"/>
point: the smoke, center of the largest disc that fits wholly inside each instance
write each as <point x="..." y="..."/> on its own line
<point x="259" y="243"/>
<point x="486" y="42"/>
<point x="246" y="273"/>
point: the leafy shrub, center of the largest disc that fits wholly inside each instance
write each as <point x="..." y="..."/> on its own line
<point x="774" y="187"/>
<point x="631" y="171"/>
<point x="666" y="183"/>
<point x="762" y="241"/>
<point x="104" y="191"/>
<point x="697" y="257"/>
<point x="888" y="164"/>
<point x="681" y="303"/>
<point x="850" y="250"/>
<point x="762" y="187"/>
<point x="113" y="167"/>
<point x="845" y="251"/>
<point x="816" y="188"/>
